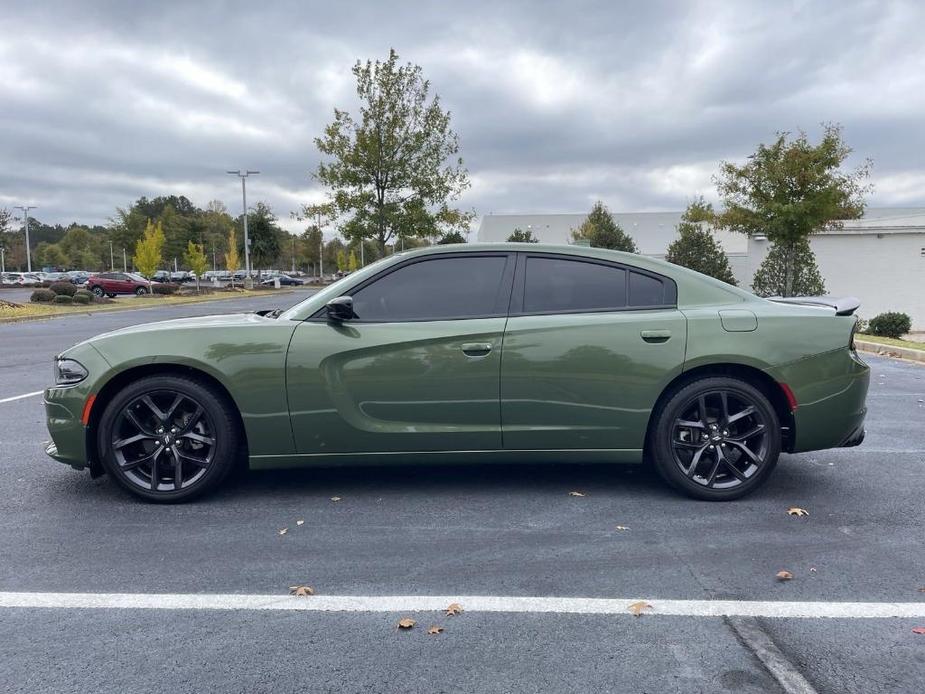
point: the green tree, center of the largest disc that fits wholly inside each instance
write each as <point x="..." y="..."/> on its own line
<point x="149" y="250"/>
<point x="265" y="236"/>
<point x="695" y="247"/>
<point x="804" y="278"/>
<point x="394" y="169"/>
<point x="341" y="260"/>
<point x="195" y="259"/>
<point x="521" y="236"/>
<point x="452" y="237"/>
<point x="789" y="190"/>
<point x="49" y="255"/>
<point x="601" y="230"/>
<point x="232" y="260"/>
<point x="352" y="263"/>
<point x="309" y="248"/>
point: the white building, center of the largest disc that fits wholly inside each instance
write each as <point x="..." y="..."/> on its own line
<point x="879" y="258"/>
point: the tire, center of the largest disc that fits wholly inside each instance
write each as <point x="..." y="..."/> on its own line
<point x="111" y="295"/>
<point x="140" y="291"/>
<point x="721" y="454"/>
<point x="156" y="421"/>
<point x="98" y="290"/>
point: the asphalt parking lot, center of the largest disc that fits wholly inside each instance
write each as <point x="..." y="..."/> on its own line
<point x="455" y="531"/>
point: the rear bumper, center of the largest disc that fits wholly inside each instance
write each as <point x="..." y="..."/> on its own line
<point x="831" y="394"/>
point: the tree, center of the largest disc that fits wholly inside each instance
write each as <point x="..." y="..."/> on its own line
<point x="789" y="190"/>
<point x="352" y="263"/>
<point x="149" y="250"/>
<point x="695" y="247"/>
<point x="232" y="261"/>
<point x="804" y="278"/>
<point x="341" y="260"/>
<point x="265" y="236"/>
<point x="602" y="231"/>
<point x="521" y="236"/>
<point x="452" y="237"/>
<point x="393" y="170"/>
<point x="195" y="258"/>
<point x="49" y="255"/>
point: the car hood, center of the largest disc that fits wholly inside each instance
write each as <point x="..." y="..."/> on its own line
<point x="227" y="320"/>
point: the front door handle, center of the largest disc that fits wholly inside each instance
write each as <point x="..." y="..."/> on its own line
<point x="476" y="349"/>
<point x="655" y="336"/>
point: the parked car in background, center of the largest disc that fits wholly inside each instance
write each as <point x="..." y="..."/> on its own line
<point x="78" y="277"/>
<point x="182" y="276"/>
<point x="54" y="277"/>
<point x="284" y="280"/>
<point x="161" y="276"/>
<point x="23" y="279"/>
<point x="112" y="283"/>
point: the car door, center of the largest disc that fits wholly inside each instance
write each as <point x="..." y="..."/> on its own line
<point x="418" y="369"/>
<point x="589" y="346"/>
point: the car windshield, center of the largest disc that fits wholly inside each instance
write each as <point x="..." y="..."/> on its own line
<point x="136" y="277"/>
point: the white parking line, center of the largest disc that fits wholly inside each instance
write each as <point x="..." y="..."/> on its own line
<point x="471" y="603"/>
<point x="21" y="397"/>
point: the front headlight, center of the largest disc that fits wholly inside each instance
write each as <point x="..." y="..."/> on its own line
<point x="68" y="372"/>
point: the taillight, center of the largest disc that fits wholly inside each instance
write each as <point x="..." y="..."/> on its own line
<point x="791" y="398"/>
<point x="854" y="329"/>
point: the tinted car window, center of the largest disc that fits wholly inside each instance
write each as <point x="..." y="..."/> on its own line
<point x="646" y="290"/>
<point x="438" y="289"/>
<point x="555" y="285"/>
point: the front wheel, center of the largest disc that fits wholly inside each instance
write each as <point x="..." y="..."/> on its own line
<point x="141" y="291"/>
<point x="98" y="291"/>
<point x="168" y="438"/>
<point x="717" y="438"/>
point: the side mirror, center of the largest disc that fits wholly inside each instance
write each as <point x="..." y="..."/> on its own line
<point x="340" y="308"/>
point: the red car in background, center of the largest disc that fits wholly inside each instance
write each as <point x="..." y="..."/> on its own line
<point x="112" y="283"/>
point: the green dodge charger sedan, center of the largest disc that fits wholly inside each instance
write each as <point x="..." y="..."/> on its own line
<point x="471" y="353"/>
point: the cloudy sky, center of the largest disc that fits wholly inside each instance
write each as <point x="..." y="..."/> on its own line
<point x="556" y="104"/>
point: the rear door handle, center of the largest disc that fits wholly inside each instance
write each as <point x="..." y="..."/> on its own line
<point x="655" y="335"/>
<point x="476" y="349"/>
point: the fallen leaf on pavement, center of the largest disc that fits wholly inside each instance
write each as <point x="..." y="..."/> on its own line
<point x="335" y="498"/>
<point x="797" y="511"/>
<point x="434" y="630"/>
<point x="812" y="569"/>
<point x="622" y="527"/>
<point x="301" y="591"/>
<point x="284" y="531"/>
<point x="300" y="522"/>
<point x="575" y="494"/>
<point x="406" y="623"/>
<point x="783" y="575"/>
<point x="453" y="609"/>
<point x="637" y="607"/>
<point x="918" y="630"/>
<point x="922" y="590"/>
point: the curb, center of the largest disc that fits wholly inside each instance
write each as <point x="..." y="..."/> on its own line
<point x="119" y="309"/>
<point x="893" y="351"/>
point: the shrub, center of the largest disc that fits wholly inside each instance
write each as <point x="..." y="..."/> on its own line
<point x="42" y="296"/>
<point x="82" y="298"/>
<point x="62" y="299"/>
<point x="165" y="288"/>
<point x="85" y="292"/>
<point x="63" y="288"/>
<point x="890" y="324"/>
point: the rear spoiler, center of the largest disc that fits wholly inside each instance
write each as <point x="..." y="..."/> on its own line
<point x="844" y="305"/>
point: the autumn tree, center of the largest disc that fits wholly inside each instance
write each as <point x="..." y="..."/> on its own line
<point x="521" y="236"/>
<point x="232" y="259"/>
<point x="696" y="248"/>
<point x="601" y="230"/>
<point x="789" y="190"/>
<point x="394" y="169"/>
<point x="149" y="250"/>
<point x="352" y="264"/>
<point x="195" y="259"/>
<point x="341" y="260"/>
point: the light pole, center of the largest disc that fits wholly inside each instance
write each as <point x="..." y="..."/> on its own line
<point x="25" y="213"/>
<point x="248" y="282"/>
<point x="112" y="262"/>
<point x="124" y="262"/>
<point x="320" y="250"/>
<point x="2" y="260"/>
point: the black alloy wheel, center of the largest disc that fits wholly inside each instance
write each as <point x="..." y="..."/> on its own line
<point x="98" y="290"/>
<point x="168" y="438"/>
<point x="717" y="438"/>
<point x="140" y="291"/>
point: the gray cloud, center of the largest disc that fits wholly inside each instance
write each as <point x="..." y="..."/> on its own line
<point x="556" y="104"/>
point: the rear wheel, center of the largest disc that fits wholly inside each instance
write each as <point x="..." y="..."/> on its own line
<point x="140" y="291"/>
<point x="168" y="438"/>
<point x="717" y="439"/>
